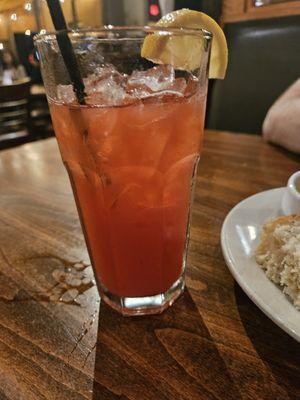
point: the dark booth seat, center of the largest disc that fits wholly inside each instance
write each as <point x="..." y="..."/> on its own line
<point x="264" y="59"/>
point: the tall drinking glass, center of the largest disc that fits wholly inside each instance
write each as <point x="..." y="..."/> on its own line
<point x="131" y="152"/>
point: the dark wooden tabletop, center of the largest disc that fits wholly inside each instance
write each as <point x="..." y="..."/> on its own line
<point x="214" y="343"/>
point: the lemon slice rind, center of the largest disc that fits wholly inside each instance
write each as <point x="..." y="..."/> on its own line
<point x="163" y="47"/>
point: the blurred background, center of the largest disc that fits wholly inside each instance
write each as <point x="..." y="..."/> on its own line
<point x="20" y="19"/>
<point x="25" y="18"/>
<point x="264" y="58"/>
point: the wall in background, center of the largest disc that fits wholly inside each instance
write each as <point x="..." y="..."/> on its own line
<point x="46" y="18"/>
<point x="135" y="12"/>
<point x="113" y="12"/>
<point x="3" y="28"/>
<point x="89" y="13"/>
<point x="245" y="10"/>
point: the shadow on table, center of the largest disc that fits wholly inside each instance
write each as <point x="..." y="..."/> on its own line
<point x="167" y="356"/>
<point x="279" y="352"/>
<point x="286" y="153"/>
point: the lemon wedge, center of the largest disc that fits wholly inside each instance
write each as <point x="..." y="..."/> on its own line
<point x="184" y="51"/>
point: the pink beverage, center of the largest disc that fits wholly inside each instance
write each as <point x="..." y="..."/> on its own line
<point x="132" y="159"/>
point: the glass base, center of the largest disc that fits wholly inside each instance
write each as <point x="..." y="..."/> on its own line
<point x="134" y="306"/>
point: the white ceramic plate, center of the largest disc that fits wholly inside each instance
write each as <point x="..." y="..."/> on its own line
<point x="239" y="238"/>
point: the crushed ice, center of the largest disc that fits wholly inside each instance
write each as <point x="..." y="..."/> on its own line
<point x="107" y="86"/>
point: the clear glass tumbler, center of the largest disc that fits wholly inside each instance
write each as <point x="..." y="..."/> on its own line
<point x="131" y="152"/>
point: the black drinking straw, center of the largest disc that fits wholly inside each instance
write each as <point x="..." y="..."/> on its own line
<point x="66" y="49"/>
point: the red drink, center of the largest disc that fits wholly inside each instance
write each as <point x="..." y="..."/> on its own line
<point x="131" y="151"/>
<point x="131" y="167"/>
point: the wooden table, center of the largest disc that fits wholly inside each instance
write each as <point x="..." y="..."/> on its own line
<point x="214" y="343"/>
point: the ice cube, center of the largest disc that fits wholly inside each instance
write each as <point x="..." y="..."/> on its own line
<point x="106" y="92"/>
<point x="105" y="86"/>
<point x="154" y="79"/>
<point x="100" y="75"/>
<point x="159" y="80"/>
<point x="192" y="86"/>
<point x="65" y="94"/>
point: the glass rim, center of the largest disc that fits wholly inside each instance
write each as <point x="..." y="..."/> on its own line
<point x="52" y="35"/>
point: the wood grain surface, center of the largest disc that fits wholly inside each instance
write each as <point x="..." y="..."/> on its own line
<point x="214" y="343"/>
<point x="245" y="10"/>
<point x="232" y="9"/>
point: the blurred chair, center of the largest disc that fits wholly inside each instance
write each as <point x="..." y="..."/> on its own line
<point x="40" y="120"/>
<point x="264" y="59"/>
<point x="24" y="114"/>
<point x="14" y="113"/>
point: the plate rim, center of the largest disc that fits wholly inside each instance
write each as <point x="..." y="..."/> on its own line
<point x="244" y="286"/>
